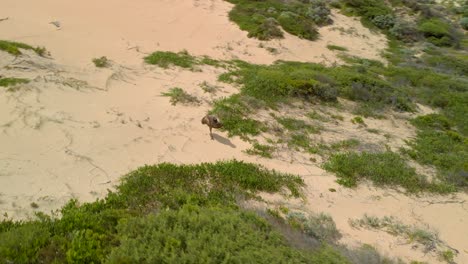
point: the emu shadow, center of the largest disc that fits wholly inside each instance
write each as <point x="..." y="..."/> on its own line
<point x="223" y="140"/>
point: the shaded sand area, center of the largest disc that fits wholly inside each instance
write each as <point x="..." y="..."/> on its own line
<point x="75" y="129"/>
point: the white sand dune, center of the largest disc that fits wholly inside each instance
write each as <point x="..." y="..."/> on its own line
<point x="74" y="130"/>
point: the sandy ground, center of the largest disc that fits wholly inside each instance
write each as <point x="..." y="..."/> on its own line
<point x="75" y="129"/>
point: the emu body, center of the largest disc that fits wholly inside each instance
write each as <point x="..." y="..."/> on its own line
<point x="212" y="122"/>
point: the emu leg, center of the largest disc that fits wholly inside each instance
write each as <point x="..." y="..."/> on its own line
<point x="211" y="134"/>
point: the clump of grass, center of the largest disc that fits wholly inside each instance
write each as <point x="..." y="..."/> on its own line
<point x="345" y="144"/>
<point x="373" y="131"/>
<point x="178" y="95"/>
<point x="5" y="82"/>
<point x="14" y="48"/>
<point x="428" y="239"/>
<point x="335" y="47"/>
<point x="383" y="169"/>
<point x="358" y="120"/>
<point x="320" y="226"/>
<point x="265" y="151"/>
<point x="101" y="62"/>
<point x="447" y="256"/>
<point x="34" y="205"/>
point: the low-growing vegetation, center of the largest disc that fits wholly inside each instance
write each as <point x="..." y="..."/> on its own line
<point x="183" y="59"/>
<point x="383" y="169"/>
<point x="6" y="82"/>
<point x="169" y="213"/>
<point x="437" y="144"/>
<point x="178" y="95"/>
<point x="14" y="48"/>
<point x="265" y="151"/>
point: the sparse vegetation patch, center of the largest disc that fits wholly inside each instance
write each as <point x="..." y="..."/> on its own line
<point x="427" y="238"/>
<point x="178" y="95"/>
<point x="383" y="169"/>
<point x="14" y="48"/>
<point x="5" y="82"/>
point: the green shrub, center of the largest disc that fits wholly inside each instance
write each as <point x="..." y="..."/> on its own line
<point x="101" y="62"/>
<point x="86" y="247"/>
<point x="405" y="30"/>
<point x="384" y="21"/>
<point x="383" y="169"/>
<point x="295" y="25"/>
<point x="375" y="12"/>
<point x="268" y="29"/>
<point x="262" y="19"/>
<point x="168" y="185"/>
<point x="319" y="12"/>
<point x="437" y="32"/>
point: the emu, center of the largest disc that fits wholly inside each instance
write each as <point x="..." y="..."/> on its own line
<point x="212" y="122"/>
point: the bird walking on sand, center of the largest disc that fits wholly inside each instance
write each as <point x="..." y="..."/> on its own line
<point x="212" y="122"/>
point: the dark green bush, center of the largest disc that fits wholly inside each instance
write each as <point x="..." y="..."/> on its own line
<point x="405" y="30"/>
<point x="22" y="244"/>
<point x="196" y="234"/>
<point x="295" y="25"/>
<point x="261" y="19"/>
<point x="372" y="11"/>
<point x="464" y="23"/>
<point x="437" y="32"/>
